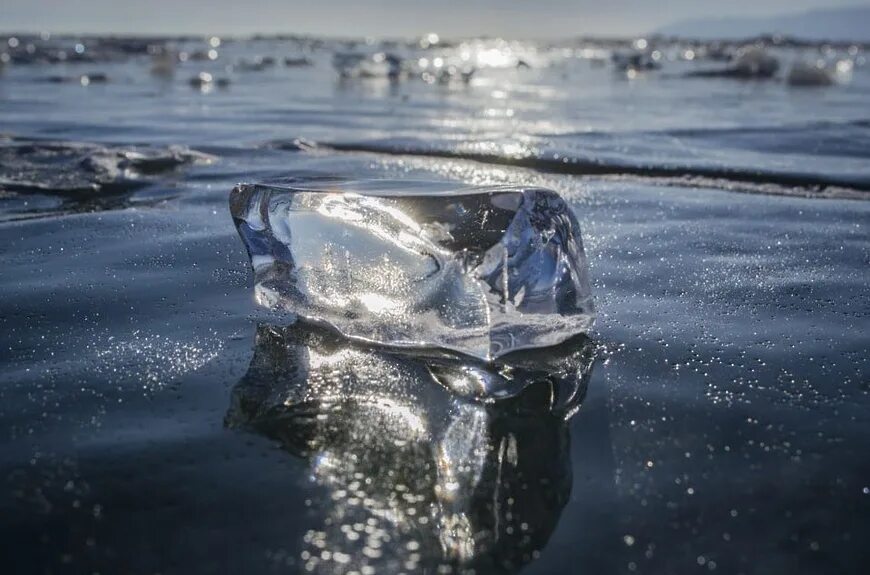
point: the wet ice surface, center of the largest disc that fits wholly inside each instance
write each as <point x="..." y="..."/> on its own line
<point x="481" y="271"/>
<point x="77" y="176"/>
<point x="724" y="424"/>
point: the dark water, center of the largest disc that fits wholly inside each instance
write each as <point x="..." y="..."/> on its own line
<point x="153" y="421"/>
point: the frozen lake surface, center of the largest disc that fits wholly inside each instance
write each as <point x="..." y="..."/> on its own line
<point x="153" y="420"/>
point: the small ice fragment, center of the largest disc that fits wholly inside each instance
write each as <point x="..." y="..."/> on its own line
<point x="755" y="62"/>
<point x="204" y="81"/>
<point x="751" y="63"/>
<point x="164" y="61"/>
<point x="256" y="65"/>
<point x="297" y="62"/>
<point x="809" y="74"/>
<point x="636" y="60"/>
<point x="483" y="271"/>
<point x="201" y="80"/>
<point x="364" y="65"/>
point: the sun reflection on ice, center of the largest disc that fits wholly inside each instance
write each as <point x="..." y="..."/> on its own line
<point x="417" y="478"/>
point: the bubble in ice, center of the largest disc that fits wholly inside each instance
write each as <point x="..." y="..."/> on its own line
<point x="478" y="270"/>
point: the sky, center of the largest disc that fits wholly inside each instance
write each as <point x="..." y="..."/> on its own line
<point x="380" y="18"/>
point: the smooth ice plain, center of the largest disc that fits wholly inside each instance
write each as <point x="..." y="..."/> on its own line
<point x="483" y="271"/>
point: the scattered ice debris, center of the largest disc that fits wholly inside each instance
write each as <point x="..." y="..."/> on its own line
<point x="431" y="58"/>
<point x="41" y="49"/>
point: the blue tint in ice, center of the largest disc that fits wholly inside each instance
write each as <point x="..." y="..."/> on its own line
<point x="483" y="271"/>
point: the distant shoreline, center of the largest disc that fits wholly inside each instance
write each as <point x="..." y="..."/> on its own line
<point x="766" y="39"/>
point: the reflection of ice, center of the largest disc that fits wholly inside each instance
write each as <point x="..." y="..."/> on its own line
<point x="484" y="271"/>
<point x="416" y="477"/>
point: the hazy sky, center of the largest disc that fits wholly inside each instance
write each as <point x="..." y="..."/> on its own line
<point x="517" y="18"/>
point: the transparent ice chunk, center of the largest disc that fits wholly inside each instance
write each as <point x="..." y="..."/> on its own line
<point x="479" y="270"/>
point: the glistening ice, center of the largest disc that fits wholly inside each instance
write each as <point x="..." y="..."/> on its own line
<point x="478" y="270"/>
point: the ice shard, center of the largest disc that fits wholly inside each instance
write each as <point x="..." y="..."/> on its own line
<point x="478" y="270"/>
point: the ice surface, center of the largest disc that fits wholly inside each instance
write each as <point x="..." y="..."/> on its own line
<point x="479" y="270"/>
<point x="81" y="168"/>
